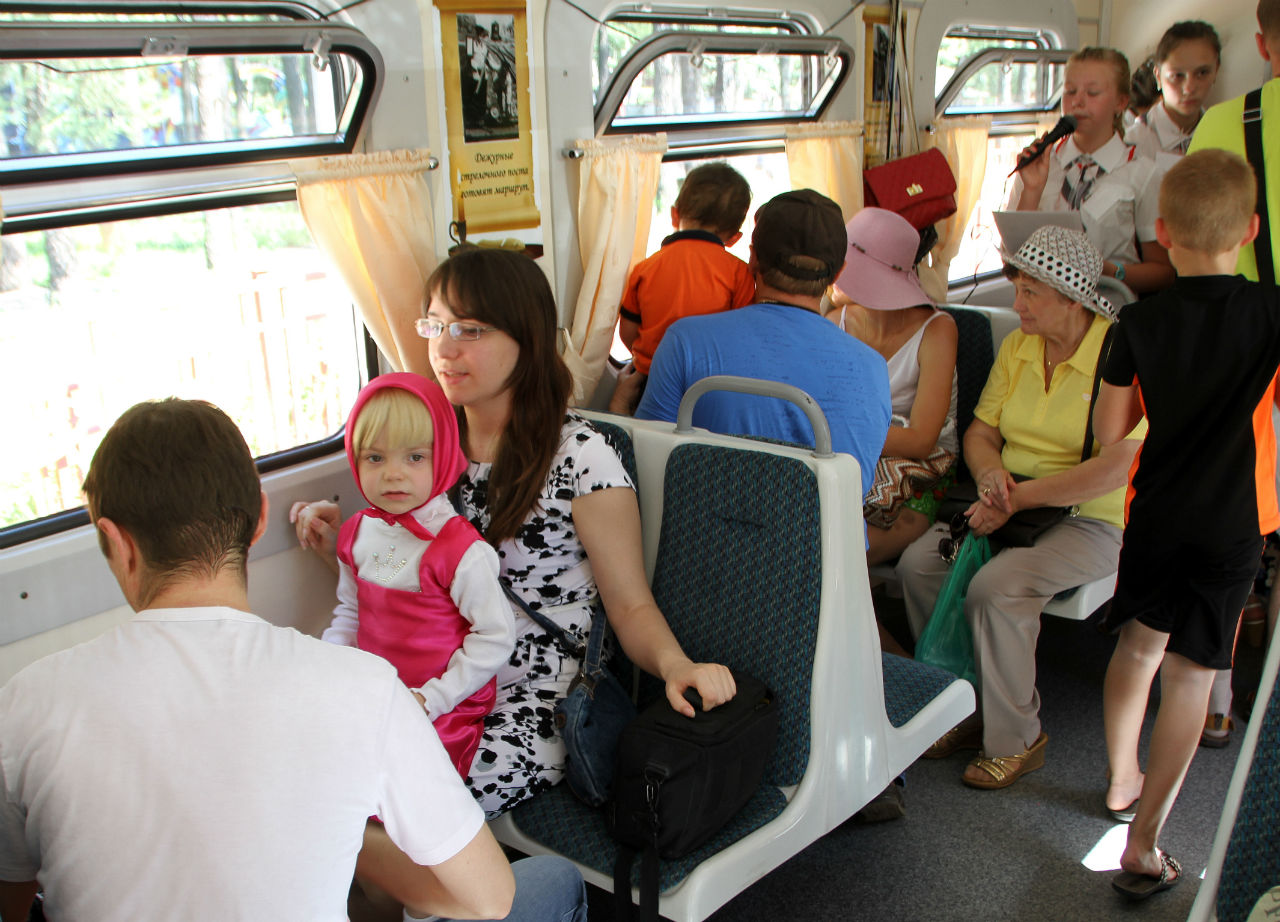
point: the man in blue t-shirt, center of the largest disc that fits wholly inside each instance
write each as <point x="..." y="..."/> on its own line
<point x="797" y="249"/>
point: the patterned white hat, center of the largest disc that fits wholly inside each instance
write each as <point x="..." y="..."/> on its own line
<point x="1067" y="262"/>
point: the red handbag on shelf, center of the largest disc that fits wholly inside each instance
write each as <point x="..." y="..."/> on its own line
<point x="920" y="187"/>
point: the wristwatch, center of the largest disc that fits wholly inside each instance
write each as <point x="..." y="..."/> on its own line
<point x="1119" y="272"/>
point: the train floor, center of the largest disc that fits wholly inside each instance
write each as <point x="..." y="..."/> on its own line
<point x="1043" y="849"/>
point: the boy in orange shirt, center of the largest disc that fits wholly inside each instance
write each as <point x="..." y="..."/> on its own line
<point x="693" y="272"/>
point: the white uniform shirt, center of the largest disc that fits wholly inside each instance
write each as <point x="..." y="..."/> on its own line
<point x="1124" y="203"/>
<point x="1156" y="133"/>
<point x="200" y="763"/>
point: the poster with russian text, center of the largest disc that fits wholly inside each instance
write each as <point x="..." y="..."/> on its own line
<point x="486" y="73"/>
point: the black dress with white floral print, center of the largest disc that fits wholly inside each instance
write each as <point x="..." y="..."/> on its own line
<point x="521" y="752"/>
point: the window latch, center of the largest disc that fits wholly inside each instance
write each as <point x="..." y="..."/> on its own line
<point x="319" y="46"/>
<point x="696" y="52"/>
<point x="164" y="46"/>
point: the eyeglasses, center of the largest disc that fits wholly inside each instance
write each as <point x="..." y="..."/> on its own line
<point x="429" y="328"/>
<point x="949" y="547"/>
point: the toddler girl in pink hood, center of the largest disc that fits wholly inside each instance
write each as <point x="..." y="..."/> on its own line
<point x="417" y="583"/>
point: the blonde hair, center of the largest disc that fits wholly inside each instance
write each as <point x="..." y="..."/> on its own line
<point x="1119" y="65"/>
<point x="1207" y="199"/>
<point x="400" y="417"/>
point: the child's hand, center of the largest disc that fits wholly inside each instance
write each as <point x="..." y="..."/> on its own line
<point x="1035" y="174"/>
<point x="422" y="701"/>
<point x="626" y="394"/>
<point x="317" y="526"/>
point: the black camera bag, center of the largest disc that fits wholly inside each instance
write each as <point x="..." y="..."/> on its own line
<point x="680" y="779"/>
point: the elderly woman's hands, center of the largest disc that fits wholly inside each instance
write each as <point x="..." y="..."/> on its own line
<point x="996" y="502"/>
<point x="995" y="488"/>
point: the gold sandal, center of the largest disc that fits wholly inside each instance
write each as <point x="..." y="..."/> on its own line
<point x="1005" y="770"/>
<point x="957" y="738"/>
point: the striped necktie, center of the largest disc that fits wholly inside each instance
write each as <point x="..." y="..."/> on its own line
<point x="1078" y="193"/>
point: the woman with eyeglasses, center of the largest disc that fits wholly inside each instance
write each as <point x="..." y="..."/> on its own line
<point x="1024" y="449"/>
<point x="550" y="492"/>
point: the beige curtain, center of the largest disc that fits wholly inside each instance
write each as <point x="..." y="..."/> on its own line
<point x="827" y="156"/>
<point x="616" y="191"/>
<point x="371" y="215"/>
<point x="963" y="141"/>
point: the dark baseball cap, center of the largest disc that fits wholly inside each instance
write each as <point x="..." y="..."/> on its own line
<point x="800" y="223"/>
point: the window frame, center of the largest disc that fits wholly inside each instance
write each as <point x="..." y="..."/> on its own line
<point x="1047" y="102"/>
<point x="65" y="39"/>
<point x="649" y="49"/>
<point x="92" y="188"/>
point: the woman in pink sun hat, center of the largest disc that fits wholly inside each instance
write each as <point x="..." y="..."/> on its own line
<point x="878" y="299"/>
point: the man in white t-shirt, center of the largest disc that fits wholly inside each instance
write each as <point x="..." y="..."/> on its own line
<point x="198" y="762"/>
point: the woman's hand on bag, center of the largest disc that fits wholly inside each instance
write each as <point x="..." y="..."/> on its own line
<point x="985" y="518"/>
<point x="994" y="489"/>
<point x="714" y="684"/>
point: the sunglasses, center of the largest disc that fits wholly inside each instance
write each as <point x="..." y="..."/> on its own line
<point x="949" y="546"/>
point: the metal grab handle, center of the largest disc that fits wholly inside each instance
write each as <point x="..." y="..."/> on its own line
<point x="761" y="388"/>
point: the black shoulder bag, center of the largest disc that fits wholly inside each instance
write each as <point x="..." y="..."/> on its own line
<point x="594" y="712"/>
<point x="680" y="779"/>
<point x="1254" y="153"/>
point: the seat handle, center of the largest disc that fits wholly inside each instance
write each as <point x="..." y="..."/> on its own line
<point x="761" y="388"/>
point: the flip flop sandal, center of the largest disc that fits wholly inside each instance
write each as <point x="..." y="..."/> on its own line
<point x="1140" y="886"/>
<point x="1003" y="771"/>
<point x="955" y="739"/>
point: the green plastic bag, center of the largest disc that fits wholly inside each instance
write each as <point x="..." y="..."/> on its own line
<point x="947" y="640"/>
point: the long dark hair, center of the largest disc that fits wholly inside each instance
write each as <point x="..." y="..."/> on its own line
<point x="508" y="291"/>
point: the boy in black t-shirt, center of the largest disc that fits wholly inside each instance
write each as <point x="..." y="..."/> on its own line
<point x="1200" y="360"/>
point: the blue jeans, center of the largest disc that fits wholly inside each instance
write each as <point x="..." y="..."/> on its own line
<point x="548" y="889"/>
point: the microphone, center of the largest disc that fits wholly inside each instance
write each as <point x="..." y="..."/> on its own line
<point x="1065" y="126"/>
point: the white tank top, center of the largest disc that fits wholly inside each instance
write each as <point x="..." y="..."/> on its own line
<point x="904" y="378"/>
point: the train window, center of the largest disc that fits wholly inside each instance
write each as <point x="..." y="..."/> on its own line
<point x="960" y="44"/>
<point x="152" y="240"/>
<point x="979" y="252"/>
<point x="698" y="80"/>
<point x="1016" y="77"/>
<point x="617" y="37"/>
<point x="96" y="99"/>
<point x="1002" y="81"/>
<point x="233" y="305"/>
<point x="764" y="168"/>
<point x="765" y="171"/>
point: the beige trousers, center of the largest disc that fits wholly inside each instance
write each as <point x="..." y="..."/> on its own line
<point x="1003" y="607"/>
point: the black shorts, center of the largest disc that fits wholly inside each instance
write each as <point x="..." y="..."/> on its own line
<point x="1190" y="592"/>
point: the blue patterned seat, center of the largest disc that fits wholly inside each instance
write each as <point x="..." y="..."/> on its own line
<point x="975" y="354"/>
<point x="909" y="686"/>
<point x="1243" y="872"/>
<point x="1252" y="865"/>
<point x="758" y="561"/>
<point x="738" y="578"/>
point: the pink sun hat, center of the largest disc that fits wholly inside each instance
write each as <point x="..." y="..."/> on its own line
<point x="878" y="265"/>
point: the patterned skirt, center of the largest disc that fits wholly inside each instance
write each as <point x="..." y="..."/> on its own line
<point x="915" y="483"/>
